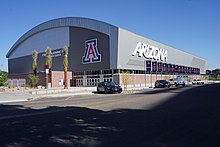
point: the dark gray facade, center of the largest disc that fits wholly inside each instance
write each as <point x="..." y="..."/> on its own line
<point x="78" y="36"/>
<point x="23" y="65"/>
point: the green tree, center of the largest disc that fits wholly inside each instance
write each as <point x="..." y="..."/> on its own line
<point x="34" y="64"/>
<point x="33" y="80"/>
<point x="3" y="78"/>
<point x="65" y="65"/>
<point x="217" y="70"/>
<point x="217" y="73"/>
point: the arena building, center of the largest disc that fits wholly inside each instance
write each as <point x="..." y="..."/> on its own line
<point x="99" y="51"/>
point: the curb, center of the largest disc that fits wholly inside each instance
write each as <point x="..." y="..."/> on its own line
<point x="55" y="95"/>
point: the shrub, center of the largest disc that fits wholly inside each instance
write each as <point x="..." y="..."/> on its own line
<point x="125" y="79"/>
<point x="33" y="80"/>
<point x="3" y="78"/>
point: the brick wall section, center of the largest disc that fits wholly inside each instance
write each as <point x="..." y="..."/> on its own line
<point x="58" y="76"/>
<point x="138" y="80"/>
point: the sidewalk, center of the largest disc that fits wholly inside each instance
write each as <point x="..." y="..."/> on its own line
<point x="27" y="95"/>
<point x="19" y="96"/>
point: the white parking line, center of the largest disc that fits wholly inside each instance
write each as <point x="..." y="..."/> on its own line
<point x="69" y="97"/>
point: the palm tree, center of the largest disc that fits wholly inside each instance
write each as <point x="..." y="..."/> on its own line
<point x="49" y="62"/>
<point x="34" y="64"/>
<point x="65" y="65"/>
<point x="49" y="57"/>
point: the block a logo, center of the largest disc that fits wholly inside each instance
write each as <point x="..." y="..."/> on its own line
<point x="91" y="54"/>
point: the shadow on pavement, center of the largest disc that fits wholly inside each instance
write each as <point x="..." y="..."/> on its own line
<point x="161" y="90"/>
<point x="189" y="119"/>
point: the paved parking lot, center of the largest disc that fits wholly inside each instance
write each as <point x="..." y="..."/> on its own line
<point x="188" y="116"/>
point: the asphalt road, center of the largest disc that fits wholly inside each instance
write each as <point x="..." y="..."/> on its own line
<point x="183" y="117"/>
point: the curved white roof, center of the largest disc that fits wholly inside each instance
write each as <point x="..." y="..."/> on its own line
<point x="87" y="23"/>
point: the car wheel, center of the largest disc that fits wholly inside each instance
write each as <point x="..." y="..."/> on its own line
<point x="98" y="90"/>
<point x="106" y="91"/>
<point x="157" y="85"/>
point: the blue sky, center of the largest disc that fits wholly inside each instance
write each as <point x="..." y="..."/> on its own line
<point x="189" y="25"/>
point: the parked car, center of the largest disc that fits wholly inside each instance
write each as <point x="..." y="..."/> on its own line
<point x="198" y="82"/>
<point x="177" y="82"/>
<point x="109" y="87"/>
<point x="162" y="83"/>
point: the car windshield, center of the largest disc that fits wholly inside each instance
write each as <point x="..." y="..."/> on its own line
<point x="178" y="79"/>
<point x="163" y="81"/>
<point x="110" y="84"/>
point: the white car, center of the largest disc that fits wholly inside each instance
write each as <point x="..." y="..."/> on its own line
<point x="177" y="82"/>
<point x="198" y="82"/>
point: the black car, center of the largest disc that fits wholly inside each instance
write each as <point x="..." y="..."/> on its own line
<point x="162" y="83"/>
<point x="108" y="87"/>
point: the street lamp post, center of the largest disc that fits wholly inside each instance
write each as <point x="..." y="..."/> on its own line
<point x="47" y="72"/>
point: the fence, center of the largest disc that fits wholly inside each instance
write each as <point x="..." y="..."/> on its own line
<point x="17" y="82"/>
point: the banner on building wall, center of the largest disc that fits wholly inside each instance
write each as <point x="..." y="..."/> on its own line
<point x="176" y="69"/>
<point x="172" y="68"/>
<point x="180" y="69"/>
<point x="148" y="65"/>
<point x="188" y="70"/>
<point x="154" y="66"/>
<point x="164" y="68"/>
<point x="159" y="66"/>
<point x="184" y="69"/>
<point x="169" y="68"/>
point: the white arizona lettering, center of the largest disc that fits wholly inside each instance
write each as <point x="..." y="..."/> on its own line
<point x="164" y="55"/>
<point x="150" y="52"/>
<point x="145" y="50"/>
<point x="138" y="50"/>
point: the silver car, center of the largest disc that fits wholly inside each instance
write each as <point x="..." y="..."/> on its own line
<point x="177" y="82"/>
